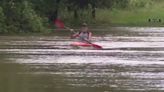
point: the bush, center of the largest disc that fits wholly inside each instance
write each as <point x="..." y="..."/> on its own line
<point x="2" y="21"/>
<point x="140" y="3"/>
<point x="32" y="22"/>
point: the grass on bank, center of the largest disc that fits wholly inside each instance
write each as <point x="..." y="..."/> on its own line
<point x="147" y="16"/>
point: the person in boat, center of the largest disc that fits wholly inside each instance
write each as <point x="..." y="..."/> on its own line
<point x="84" y="35"/>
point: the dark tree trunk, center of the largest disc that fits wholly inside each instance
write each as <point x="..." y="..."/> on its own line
<point x="75" y="14"/>
<point x="94" y="13"/>
<point x="93" y="10"/>
<point x="54" y="14"/>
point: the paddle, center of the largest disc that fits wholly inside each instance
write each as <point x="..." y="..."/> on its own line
<point x="60" y="24"/>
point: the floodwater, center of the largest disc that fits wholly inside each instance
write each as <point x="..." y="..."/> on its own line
<point x="132" y="59"/>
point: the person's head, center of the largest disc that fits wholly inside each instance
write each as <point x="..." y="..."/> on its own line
<point x="84" y="27"/>
<point x="84" y="24"/>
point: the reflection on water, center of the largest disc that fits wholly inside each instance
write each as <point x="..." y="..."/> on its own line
<point x="132" y="60"/>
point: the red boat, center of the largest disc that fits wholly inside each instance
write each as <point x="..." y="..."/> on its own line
<point x="85" y="45"/>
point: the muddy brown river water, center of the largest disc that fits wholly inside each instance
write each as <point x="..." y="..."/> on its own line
<point x="132" y="61"/>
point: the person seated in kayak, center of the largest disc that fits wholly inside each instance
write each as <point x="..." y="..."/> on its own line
<point x="84" y="35"/>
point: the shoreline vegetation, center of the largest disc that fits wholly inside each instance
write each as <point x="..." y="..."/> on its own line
<point x="37" y="17"/>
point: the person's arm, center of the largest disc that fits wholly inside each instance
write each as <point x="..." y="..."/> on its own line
<point x="75" y="34"/>
<point x="90" y="36"/>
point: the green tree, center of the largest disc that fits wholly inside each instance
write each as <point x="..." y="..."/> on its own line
<point x="31" y="21"/>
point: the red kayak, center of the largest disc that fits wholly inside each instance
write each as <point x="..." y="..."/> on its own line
<point x="82" y="44"/>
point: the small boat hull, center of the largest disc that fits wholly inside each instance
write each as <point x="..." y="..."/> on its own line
<point x="82" y="45"/>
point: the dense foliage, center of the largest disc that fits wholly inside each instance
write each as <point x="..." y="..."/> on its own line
<point x="37" y="15"/>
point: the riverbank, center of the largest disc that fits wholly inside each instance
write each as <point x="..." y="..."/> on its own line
<point x="134" y="13"/>
<point x="146" y="16"/>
